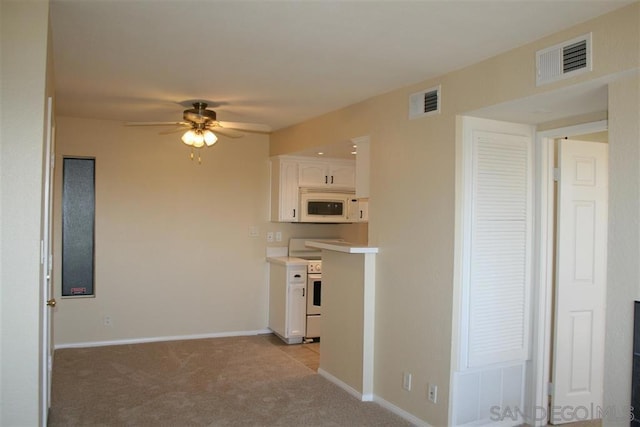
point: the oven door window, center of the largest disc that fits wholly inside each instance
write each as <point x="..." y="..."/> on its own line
<point x="314" y="291"/>
<point x="317" y="290"/>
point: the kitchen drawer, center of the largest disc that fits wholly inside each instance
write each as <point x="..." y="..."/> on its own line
<point x="298" y="275"/>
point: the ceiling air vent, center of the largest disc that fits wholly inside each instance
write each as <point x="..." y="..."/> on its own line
<point x="563" y="60"/>
<point x="424" y="103"/>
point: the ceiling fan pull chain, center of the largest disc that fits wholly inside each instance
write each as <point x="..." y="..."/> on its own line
<point x="191" y="153"/>
<point x="199" y="158"/>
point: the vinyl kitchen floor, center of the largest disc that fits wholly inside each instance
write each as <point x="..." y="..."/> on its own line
<point x="307" y="354"/>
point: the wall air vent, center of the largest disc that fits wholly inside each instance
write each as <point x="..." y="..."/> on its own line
<point x="424" y="103"/>
<point x="563" y="60"/>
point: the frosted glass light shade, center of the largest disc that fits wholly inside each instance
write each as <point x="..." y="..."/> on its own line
<point x="188" y="137"/>
<point x="210" y="138"/>
<point x="198" y="139"/>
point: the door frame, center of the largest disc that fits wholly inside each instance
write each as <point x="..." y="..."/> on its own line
<point x="544" y="244"/>
<point x="46" y="259"/>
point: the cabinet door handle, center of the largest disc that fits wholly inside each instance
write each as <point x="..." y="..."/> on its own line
<point x="326" y="179"/>
<point x="302" y="291"/>
<point x="360" y="214"/>
<point x="332" y="179"/>
<point x="297" y="276"/>
<point x="294" y="213"/>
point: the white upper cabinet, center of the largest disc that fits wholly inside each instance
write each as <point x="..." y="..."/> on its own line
<point x="312" y="174"/>
<point x="362" y="166"/>
<point x="290" y="173"/>
<point x="327" y="174"/>
<point x="363" y="210"/>
<point x="343" y="175"/>
<point x="284" y="190"/>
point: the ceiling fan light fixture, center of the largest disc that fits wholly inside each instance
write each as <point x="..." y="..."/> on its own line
<point x="199" y="122"/>
<point x="210" y="138"/>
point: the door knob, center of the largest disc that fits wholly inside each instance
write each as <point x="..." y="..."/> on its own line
<point x="51" y="302"/>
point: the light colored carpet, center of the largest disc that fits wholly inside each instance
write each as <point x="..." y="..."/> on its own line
<point x="240" y="381"/>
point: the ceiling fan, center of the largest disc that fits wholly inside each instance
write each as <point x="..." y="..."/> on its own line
<point x="201" y="126"/>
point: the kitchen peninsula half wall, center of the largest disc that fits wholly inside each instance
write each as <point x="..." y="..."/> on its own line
<point x="348" y="295"/>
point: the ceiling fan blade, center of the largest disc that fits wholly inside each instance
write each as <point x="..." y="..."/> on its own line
<point x="224" y="131"/>
<point x="248" y="127"/>
<point x="157" y="124"/>
<point x="167" y="132"/>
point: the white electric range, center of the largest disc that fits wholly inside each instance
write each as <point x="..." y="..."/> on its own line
<point x="298" y="249"/>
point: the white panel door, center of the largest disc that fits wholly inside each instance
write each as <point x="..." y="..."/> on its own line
<point x="581" y="259"/>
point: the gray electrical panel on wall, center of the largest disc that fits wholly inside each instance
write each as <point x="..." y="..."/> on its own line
<point x="78" y="226"/>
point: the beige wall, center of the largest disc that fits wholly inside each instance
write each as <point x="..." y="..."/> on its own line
<point x="341" y="347"/>
<point x="24" y="29"/>
<point x="173" y="253"/>
<point x="623" y="277"/>
<point x="414" y="272"/>
<point x="412" y="198"/>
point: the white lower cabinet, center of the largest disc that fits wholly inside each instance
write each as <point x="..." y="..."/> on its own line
<point x="287" y="301"/>
<point x="297" y="313"/>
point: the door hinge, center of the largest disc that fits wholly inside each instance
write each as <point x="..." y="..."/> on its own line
<point x="556" y="174"/>
<point x="549" y="389"/>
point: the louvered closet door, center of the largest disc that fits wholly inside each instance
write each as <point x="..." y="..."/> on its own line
<point x="499" y="270"/>
<point x="494" y="208"/>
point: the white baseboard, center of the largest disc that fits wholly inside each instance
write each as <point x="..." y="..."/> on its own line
<point x="400" y="412"/>
<point x="159" y="339"/>
<point x="373" y="398"/>
<point x="346" y="387"/>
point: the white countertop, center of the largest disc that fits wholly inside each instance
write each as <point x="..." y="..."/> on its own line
<point x="346" y="247"/>
<point x="287" y="260"/>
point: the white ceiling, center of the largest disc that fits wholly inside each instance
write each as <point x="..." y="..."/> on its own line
<point x="277" y="62"/>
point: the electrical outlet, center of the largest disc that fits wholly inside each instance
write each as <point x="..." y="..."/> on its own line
<point x="278" y="236"/>
<point x="270" y="236"/>
<point x="254" y="231"/>
<point x="106" y="320"/>
<point x="406" y="381"/>
<point x="432" y="393"/>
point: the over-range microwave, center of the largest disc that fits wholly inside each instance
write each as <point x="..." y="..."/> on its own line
<point x="320" y="205"/>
